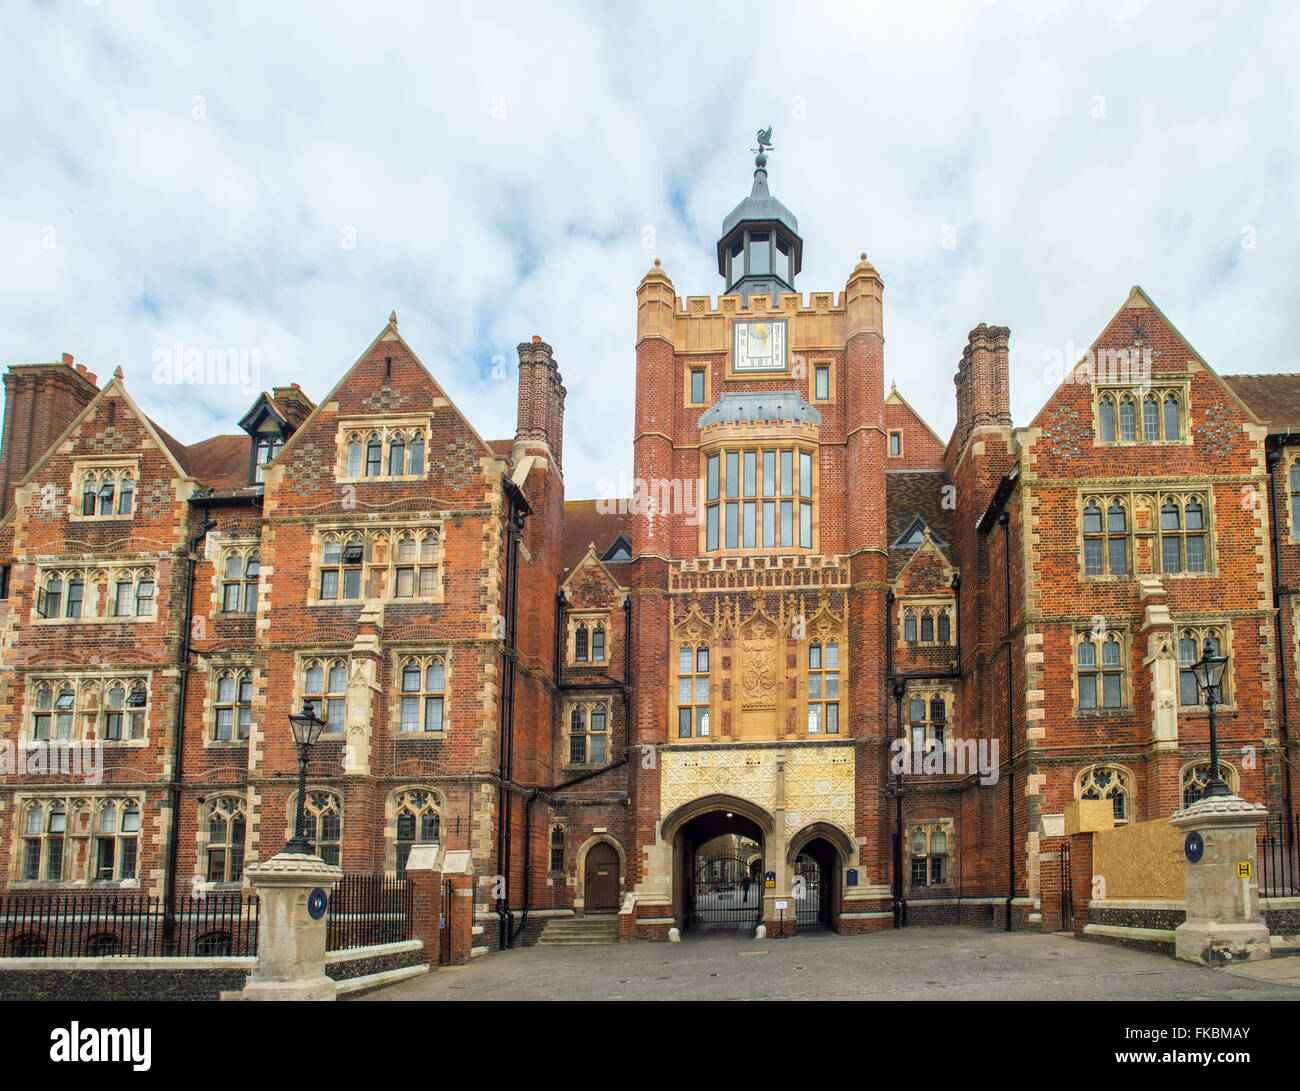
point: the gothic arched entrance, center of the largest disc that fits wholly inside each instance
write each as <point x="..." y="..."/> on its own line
<point x="600" y="879"/>
<point x="718" y="853"/>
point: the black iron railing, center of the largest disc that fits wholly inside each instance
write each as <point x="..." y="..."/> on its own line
<point x="42" y="925"/>
<point x="366" y="910"/>
<point x="1279" y="857"/>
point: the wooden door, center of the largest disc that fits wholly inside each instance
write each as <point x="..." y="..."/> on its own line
<point x="600" y="886"/>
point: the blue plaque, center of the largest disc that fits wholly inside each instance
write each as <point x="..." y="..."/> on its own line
<point x="317" y="903"/>
<point x="1194" y="847"/>
<point x="851" y="877"/>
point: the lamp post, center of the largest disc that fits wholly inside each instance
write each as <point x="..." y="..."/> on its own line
<point x="1208" y="671"/>
<point x="306" y="727"/>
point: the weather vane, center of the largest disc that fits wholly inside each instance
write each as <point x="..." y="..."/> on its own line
<point x="764" y="141"/>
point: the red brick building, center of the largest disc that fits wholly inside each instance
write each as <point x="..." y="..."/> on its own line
<point x="687" y="704"/>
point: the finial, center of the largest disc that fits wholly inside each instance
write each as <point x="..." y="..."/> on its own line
<point x="656" y="263"/>
<point x="392" y="318"/>
<point x="117" y="373"/>
<point x="863" y="256"/>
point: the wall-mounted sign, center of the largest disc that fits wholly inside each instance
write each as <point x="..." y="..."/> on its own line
<point x="769" y="880"/>
<point x="1243" y="869"/>
<point x="781" y="905"/>
<point x="1194" y="847"/>
<point x="851" y="877"/>
<point x="317" y="904"/>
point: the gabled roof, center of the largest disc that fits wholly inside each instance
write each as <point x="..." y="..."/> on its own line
<point x="591" y="559"/>
<point x="221" y="462"/>
<point x="896" y="399"/>
<point x="912" y="496"/>
<point x="388" y="333"/>
<point x="1274" y="399"/>
<point x="914" y="534"/>
<point x="1139" y="300"/>
<point x="175" y="451"/>
<point x="585" y="524"/>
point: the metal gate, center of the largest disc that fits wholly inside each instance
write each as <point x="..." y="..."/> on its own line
<point x="1067" y="890"/>
<point x="725" y="891"/>
<point x="809" y="894"/>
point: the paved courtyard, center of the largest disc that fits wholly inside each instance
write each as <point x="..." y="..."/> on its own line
<point x="911" y="964"/>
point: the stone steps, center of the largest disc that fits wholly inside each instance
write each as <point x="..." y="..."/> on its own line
<point x="579" y="932"/>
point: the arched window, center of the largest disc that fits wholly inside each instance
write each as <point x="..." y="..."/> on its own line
<point x="598" y="643"/>
<point x="929" y="852"/>
<point x="123" y="595"/>
<point x="44" y="829"/>
<point x="1196" y="777"/>
<point x="396" y="456"/>
<point x="353" y="468"/>
<point x="418" y="823"/>
<point x="76" y="591"/>
<point x="927" y="717"/>
<point x="50" y="602"/>
<point x="323" y="818"/>
<point x="89" y="491"/>
<point x="824" y="687"/>
<point x="117" y="829"/>
<point x="1191" y="646"/>
<point x="557" y="849"/>
<point x="927" y="627"/>
<point x="580" y="643"/>
<point x="1106" y="782"/>
<point x="945" y="627"/>
<point x="578" y="735"/>
<point x="226" y="826"/>
<point x="106" y="495"/>
<point x="144" y="594"/>
<point x="42" y="716"/>
<point x="233" y="706"/>
<point x="417" y="454"/>
<point x="374" y="456"/>
<point x="1182" y="535"/>
<point x="1150" y="419"/>
<point x="1106" y="419"/>
<point x="909" y="627"/>
<point x="239" y="582"/>
<point x="424" y="685"/>
<point x="126" y="495"/>
<point x="340" y="567"/>
<point x="588" y="734"/>
<point x="693" y="691"/>
<point x="1127" y="419"/>
<point x="325" y="685"/>
<point x="1173" y="418"/>
<point x="1100" y="676"/>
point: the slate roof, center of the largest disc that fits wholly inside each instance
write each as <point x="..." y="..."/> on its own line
<point x="910" y="494"/>
<point x="584" y="524"/>
<point x="1272" y="398"/>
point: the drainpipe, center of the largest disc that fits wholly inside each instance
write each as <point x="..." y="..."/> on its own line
<point x="561" y="601"/>
<point x="1274" y="457"/>
<point x="1004" y="519"/>
<point x="516" y="511"/>
<point x="174" y="790"/>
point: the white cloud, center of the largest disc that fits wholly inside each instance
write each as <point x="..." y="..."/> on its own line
<point x="891" y="123"/>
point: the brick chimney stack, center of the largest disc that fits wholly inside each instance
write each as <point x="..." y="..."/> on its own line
<point x="41" y="400"/>
<point x="983" y="393"/>
<point x="541" y="399"/>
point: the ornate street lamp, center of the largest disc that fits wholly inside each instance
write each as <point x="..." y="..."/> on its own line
<point x="306" y="727"/>
<point x="1208" y="671"/>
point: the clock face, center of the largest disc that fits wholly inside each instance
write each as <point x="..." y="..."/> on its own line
<point x="759" y="346"/>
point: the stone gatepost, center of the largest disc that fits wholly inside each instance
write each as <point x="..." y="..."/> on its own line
<point x="424" y="881"/>
<point x="1223" y="914"/>
<point x="290" y="937"/>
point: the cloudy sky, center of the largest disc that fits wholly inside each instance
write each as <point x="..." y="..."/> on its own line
<point x="278" y="177"/>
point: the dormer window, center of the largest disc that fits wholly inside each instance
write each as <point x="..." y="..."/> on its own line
<point x="268" y="446"/>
